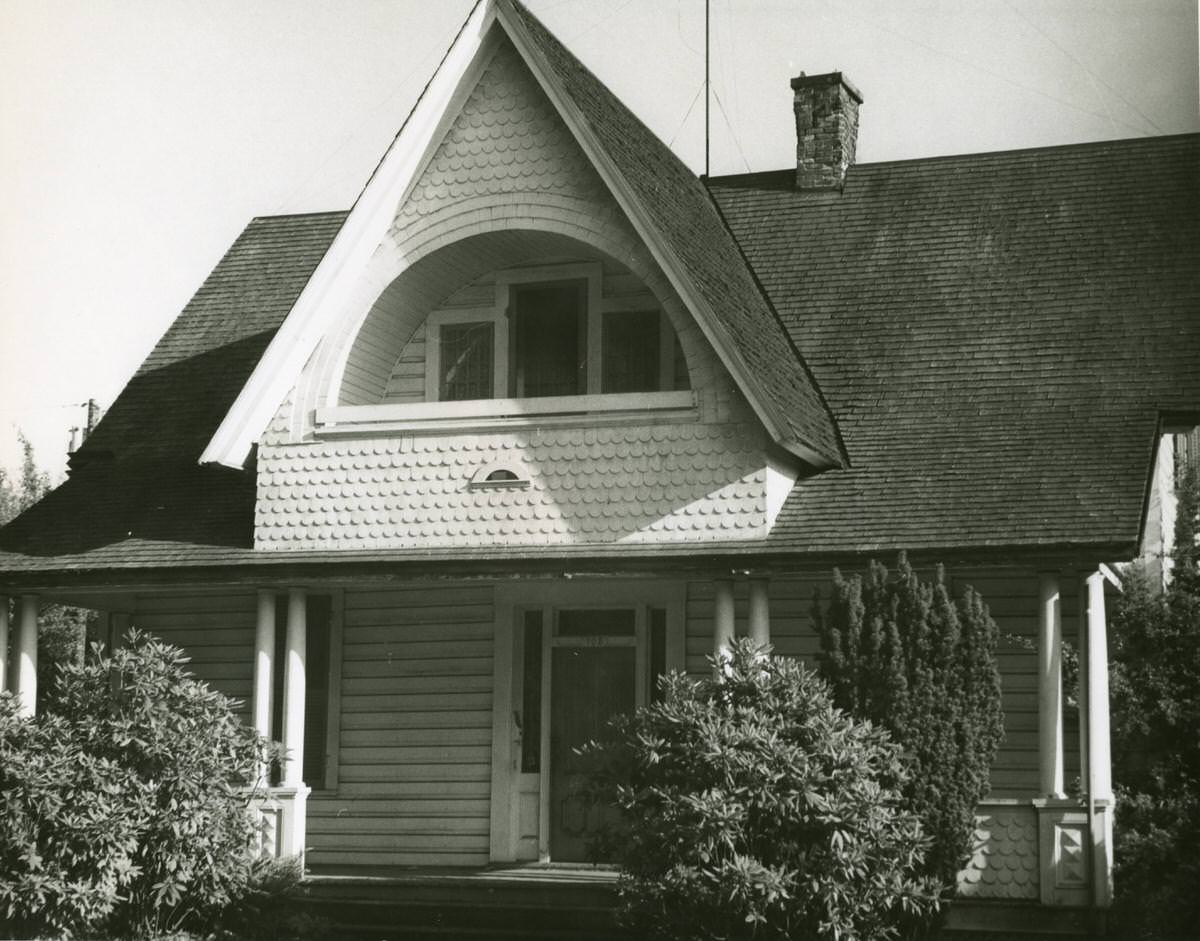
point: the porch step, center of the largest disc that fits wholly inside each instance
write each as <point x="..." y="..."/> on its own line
<point x="507" y="904"/>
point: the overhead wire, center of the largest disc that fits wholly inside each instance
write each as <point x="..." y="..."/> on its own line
<point x="1092" y="77"/>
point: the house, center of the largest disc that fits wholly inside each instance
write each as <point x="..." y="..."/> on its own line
<point x="437" y="484"/>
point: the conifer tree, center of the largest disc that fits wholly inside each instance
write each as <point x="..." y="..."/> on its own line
<point x="903" y="654"/>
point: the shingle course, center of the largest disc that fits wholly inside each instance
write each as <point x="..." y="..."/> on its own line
<point x="995" y="333"/>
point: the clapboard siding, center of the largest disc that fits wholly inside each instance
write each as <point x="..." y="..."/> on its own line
<point x="216" y="631"/>
<point x="1012" y="599"/>
<point x="415" y="735"/>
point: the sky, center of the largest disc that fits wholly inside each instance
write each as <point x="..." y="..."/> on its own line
<point x="138" y="137"/>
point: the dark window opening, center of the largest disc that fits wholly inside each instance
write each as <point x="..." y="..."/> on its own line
<point x="658" y="651"/>
<point x="498" y="475"/>
<point x="631" y="343"/>
<point x="548" y="340"/>
<point x="592" y="622"/>
<point x="531" y="694"/>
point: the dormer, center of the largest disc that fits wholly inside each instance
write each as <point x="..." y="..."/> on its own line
<point x="530" y="279"/>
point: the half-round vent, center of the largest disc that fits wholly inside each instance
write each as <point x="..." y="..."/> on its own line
<point x="500" y="477"/>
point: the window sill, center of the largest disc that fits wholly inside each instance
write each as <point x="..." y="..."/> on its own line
<point x="427" y="417"/>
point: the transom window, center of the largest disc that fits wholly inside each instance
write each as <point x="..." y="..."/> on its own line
<point x="551" y="333"/>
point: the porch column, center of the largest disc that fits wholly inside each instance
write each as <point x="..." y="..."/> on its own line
<point x="25" y="655"/>
<point x="264" y="687"/>
<point x="760" y="613"/>
<point x="293" y="689"/>
<point x="723" y="629"/>
<point x="3" y="643"/>
<point x="1099" y="757"/>
<point x="1050" y="692"/>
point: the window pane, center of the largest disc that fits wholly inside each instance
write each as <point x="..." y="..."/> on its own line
<point x="631" y="351"/>
<point x="531" y="695"/>
<point x="466" y="361"/>
<point x="549" y="353"/>
<point x="590" y="622"/>
<point x="658" y="651"/>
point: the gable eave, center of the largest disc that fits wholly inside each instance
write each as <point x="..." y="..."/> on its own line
<point x="348" y="255"/>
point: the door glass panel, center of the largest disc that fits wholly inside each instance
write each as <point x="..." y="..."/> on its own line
<point x="589" y="686"/>
<point x="596" y="623"/>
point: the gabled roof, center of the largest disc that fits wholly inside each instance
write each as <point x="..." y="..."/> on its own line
<point x="666" y="203"/>
<point x="137" y="492"/>
<point x="997" y="335"/>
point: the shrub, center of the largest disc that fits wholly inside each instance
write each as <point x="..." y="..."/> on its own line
<point x="1155" y="694"/>
<point x="901" y="653"/>
<point x="123" y="806"/>
<point x="752" y="808"/>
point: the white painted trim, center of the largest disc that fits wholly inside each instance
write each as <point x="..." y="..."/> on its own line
<point x="758" y="619"/>
<point x="294" y="688"/>
<point x="263" y="690"/>
<point x="335" y="277"/>
<point x="25" y="656"/>
<point x="781" y="477"/>
<point x="3" y="643"/>
<point x="724" y="627"/>
<point x="504" y="828"/>
<point x="433" y="347"/>
<point x="1050" y="691"/>
<point x="1112" y="577"/>
<point x="363" y="417"/>
<point x="1099" y="764"/>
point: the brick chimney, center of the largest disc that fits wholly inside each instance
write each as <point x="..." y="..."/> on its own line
<point x="826" y="109"/>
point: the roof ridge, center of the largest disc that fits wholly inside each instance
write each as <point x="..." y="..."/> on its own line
<point x="299" y="215"/>
<point x="1017" y="152"/>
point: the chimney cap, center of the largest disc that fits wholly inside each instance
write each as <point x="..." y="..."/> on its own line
<point x="828" y="78"/>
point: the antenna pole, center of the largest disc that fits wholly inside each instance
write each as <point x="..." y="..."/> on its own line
<point x="706" y="57"/>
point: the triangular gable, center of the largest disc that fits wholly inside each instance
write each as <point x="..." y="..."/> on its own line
<point x="667" y="205"/>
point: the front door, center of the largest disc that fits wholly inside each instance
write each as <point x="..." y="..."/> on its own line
<point x="594" y="660"/>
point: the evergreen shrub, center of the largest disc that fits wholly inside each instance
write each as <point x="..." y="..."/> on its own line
<point x="123" y="809"/>
<point x="901" y="653"/>
<point x="752" y="808"/>
<point x="1155" y="693"/>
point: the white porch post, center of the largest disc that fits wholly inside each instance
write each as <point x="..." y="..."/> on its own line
<point x="1099" y="753"/>
<point x="293" y="688"/>
<point x="293" y="792"/>
<point x="1050" y="692"/>
<point x="25" y="655"/>
<point x="264" y="688"/>
<point x="723" y="628"/>
<point x="3" y="643"/>
<point x="760" y="612"/>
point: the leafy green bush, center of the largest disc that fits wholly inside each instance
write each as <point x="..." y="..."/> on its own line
<point x="123" y="807"/>
<point x="752" y="808"/>
<point x="1155" y="695"/>
<point x="901" y="653"/>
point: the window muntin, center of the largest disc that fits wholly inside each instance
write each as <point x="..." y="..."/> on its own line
<point x="553" y="334"/>
<point x="465" y="357"/>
